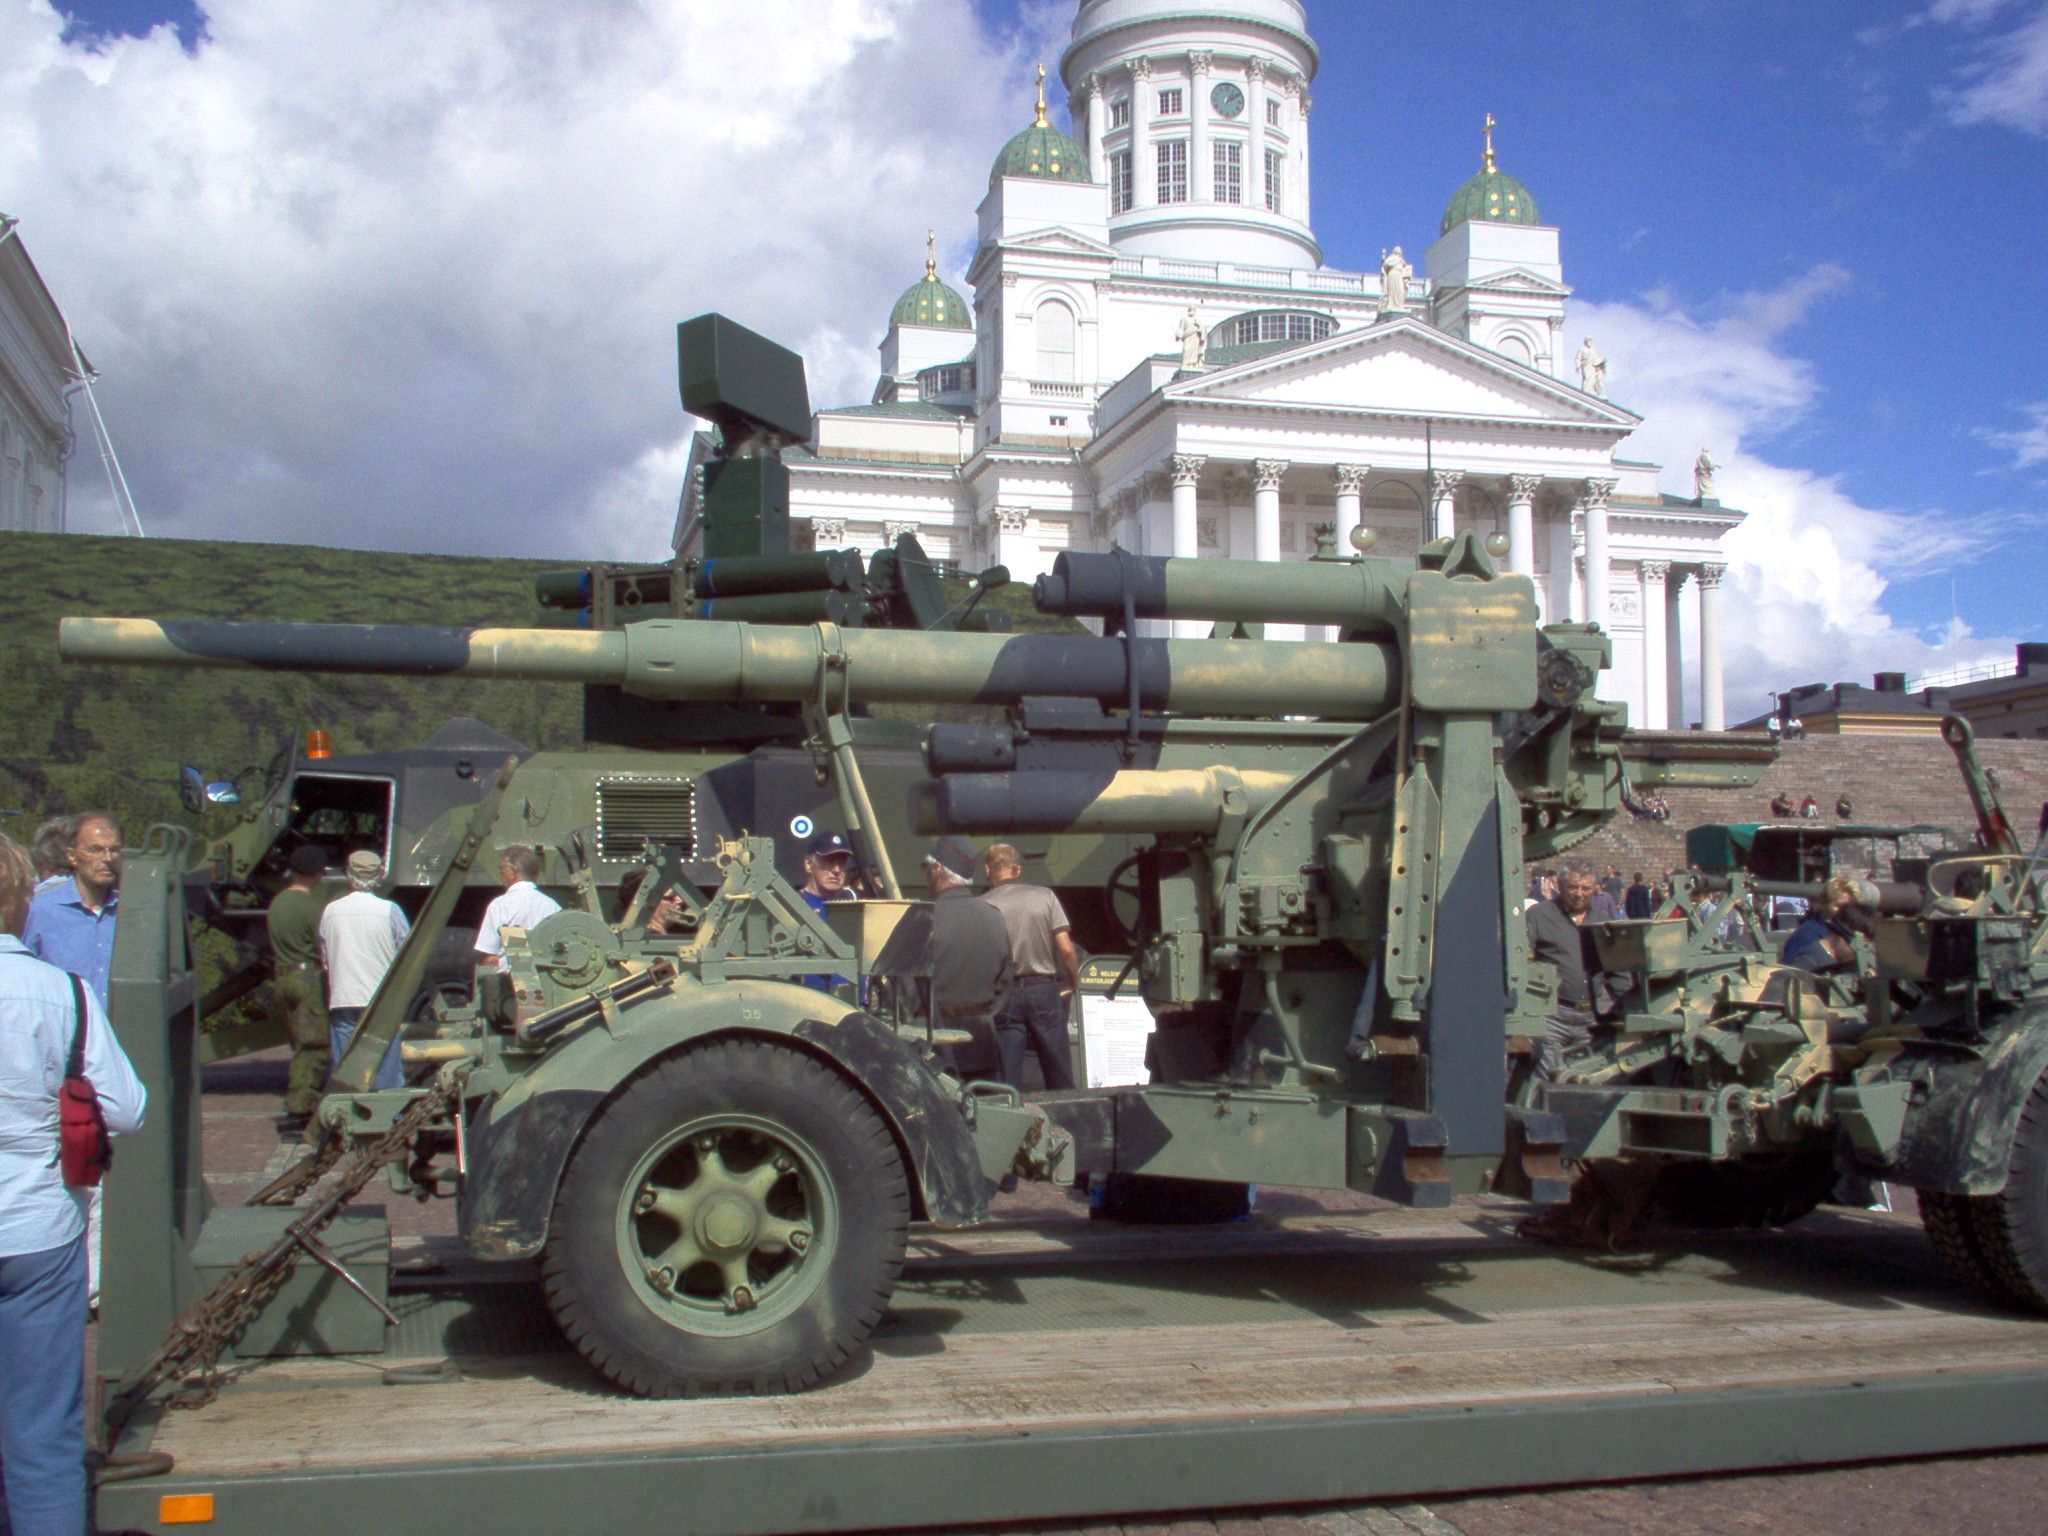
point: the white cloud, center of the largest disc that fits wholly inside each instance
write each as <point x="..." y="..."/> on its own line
<point x="402" y="276"/>
<point x="1809" y="566"/>
<point x="2006" y="80"/>
<point x="2028" y="445"/>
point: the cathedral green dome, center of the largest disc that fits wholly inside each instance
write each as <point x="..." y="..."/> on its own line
<point x="930" y="302"/>
<point x="1041" y="151"/>
<point x="1493" y="196"/>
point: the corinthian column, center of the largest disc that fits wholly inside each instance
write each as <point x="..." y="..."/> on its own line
<point x="1201" y="180"/>
<point x="1522" y="491"/>
<point x="1186" y="473"/>
<point x="1656" y="701"/>
<point x="1713" y="711"/>
<point x="1350" y="491"/>
<point x="1144" y="180"/>
<point x="1674" y="652"/>
<point x="1598" y="570"/>
<point x="1266" y="477"/>
<point x="1443" y="502"/>
<point x="1098" y="121"/>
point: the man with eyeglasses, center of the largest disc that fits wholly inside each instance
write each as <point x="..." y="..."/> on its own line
<point x="71" y="925"/>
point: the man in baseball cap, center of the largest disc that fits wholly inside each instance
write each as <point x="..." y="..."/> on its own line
<point x="360" y="936"/>
<point x="969" y="958"/>
<point x="828" y="865"/>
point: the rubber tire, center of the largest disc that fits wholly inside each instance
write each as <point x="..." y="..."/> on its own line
<point x="1141" y="1199"/>
<point x="2012" y="1225"/>
<point x="1951" y="1222"/>
<point x="1772" y="1193"/>
<point x="605" y="1316"/>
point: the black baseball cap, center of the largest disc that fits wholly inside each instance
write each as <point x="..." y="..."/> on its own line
<point x="828" y="845"/>
<point x="308" y="860"/>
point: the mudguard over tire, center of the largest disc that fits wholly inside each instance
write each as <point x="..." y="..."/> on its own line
<point x="2011" y="1227"/>
<point x="733" y="1221"/>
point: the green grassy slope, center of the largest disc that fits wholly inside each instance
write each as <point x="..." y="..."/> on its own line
<point x="73" y="737"/>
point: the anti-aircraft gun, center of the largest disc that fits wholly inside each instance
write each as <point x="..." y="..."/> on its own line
<point x="1733" y="1090"/>
<point x="716" y="1166"/>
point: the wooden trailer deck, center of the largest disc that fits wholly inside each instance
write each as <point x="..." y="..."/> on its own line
<point x="1062" y="1369"/>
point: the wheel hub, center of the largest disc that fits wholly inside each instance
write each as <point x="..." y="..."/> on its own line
<point x="728" y="1223"/>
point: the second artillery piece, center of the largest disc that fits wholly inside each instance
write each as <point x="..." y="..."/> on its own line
<point x="717" y="1167"/>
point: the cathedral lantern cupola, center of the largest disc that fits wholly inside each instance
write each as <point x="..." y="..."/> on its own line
<point x="1041" y="151"/>
<point x="929" y="302"/>
<point x="1493" y="195"/>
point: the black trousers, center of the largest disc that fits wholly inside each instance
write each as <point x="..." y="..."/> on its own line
<point x="1035" y="1019"/>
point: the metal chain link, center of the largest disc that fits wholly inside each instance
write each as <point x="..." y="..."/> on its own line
<point x="198" y="1338"/>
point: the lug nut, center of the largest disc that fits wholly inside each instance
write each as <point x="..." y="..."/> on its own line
<point x="799" y="1240"/>
<point x="742" y="1299"/>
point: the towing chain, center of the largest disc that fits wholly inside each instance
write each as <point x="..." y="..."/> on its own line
<point x="198" y="1338"/>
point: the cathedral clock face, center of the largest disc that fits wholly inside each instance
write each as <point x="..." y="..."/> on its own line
<point x="1227" y="99"/>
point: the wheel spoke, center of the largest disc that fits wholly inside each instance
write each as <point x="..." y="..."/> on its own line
<point x="678" y="1205"/>
<point x="711" y="1162"/>
<point x="678" y="1255"/>
<point x="778" y="1236"/>
<point x="757" y="1182"/>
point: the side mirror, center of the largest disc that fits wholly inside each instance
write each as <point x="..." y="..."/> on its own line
<point x="191" y="789"/>
<point x="995" y="576"/>
<point x="223" y="792"/>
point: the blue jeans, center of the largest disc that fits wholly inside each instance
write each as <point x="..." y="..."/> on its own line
<point x="42" y="1391"/>
<point x="1035" y="1020"/>
<point x="341" y="1028"/>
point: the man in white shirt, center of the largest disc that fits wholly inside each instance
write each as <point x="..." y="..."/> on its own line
<point x="521" y="906"/>
<point x="43" y="1299"/>
<point x="360" y="935"/>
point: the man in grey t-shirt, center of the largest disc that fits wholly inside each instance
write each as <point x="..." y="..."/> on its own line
<point x="1047" y="971"/>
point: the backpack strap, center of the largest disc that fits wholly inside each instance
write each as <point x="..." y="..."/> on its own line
<point x="75" y="1067"/>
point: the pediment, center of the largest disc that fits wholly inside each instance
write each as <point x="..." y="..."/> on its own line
<point x="1520" y="280"/>
<point x="1403" y="367"/>
<point x="1061" y="241"/>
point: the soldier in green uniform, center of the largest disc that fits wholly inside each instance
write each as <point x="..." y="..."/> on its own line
<point x="294" y="921"/>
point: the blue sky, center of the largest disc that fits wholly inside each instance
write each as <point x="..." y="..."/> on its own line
<point x="377" y="274"/>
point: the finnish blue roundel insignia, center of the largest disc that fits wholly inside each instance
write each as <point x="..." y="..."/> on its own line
<point x="800" y="826"/>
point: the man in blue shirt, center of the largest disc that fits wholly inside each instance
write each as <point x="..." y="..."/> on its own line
<point x="828" y="865"/>
<point x="71" y="926"/>
<point x="71" y="923"/>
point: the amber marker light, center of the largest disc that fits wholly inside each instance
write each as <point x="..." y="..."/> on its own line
<point x="187" y="1508"/>
<point x="319" y="744"/>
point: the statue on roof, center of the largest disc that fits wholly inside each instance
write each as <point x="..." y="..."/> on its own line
<point x="1194" y="344"/>
<point x="1592" y="369"/>
<point x="1703" y="476"/>
<point x="1394" y="275"/>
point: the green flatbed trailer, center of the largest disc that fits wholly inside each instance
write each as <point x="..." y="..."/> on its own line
<point x="1060" y="1370"/>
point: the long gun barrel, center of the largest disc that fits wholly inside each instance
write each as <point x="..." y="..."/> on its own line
<point x="1361" y="595"/>
<point x="708" y="661"/>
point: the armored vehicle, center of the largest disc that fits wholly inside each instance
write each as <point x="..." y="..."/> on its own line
<point x="396" y="805"/>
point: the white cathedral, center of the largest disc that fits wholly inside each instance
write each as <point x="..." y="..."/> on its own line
<point x="1156" y="356"/>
